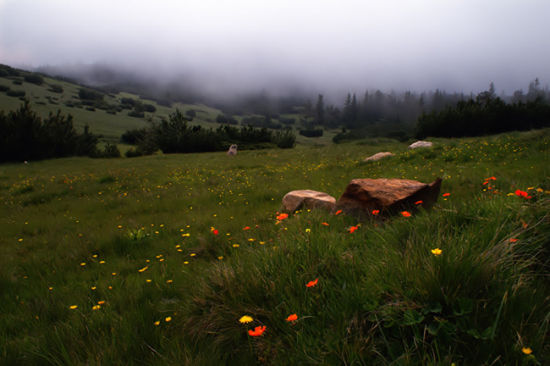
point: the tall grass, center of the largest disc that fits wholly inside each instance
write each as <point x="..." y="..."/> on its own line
<point x="138" y="238"/>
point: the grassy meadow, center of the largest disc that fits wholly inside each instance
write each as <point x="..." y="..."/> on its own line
<point x="155" y="260"/>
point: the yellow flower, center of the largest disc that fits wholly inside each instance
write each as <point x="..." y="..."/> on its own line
<point x="245" y="319"/>
<point x="114" y="273"/>
<point x="437" y="252"/>
<point x="235" y="245"/>
<point x="83" y="264"/>
<point x="192" y="254"/>
<point x="101" y="302"/>
<point x="220" y="257"/>
<point x="168" y="319"/>
<point x="157" y="323"/>
<point x="96" y="307"/>
<point x="169" y="281"/>
<point x="308" y="230"/>
<point x="101" y="262"/>
<point x="148" y="280"/>
<point x="527" y="350"/>
<point x="143" y="269"/>
<point x="186" y="262"/>
<point x="72" y="307"/>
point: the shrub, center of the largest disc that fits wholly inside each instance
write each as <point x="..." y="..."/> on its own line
<point x="4" y="88"/>
<point x="16" y="93"/>
<point x="56" y="89"/>
<point x="90" y="95"/>
<point x="133" y="137"/>
<point x="225" y="119"/>
<point x="311" y="133"/>
<point x="136" y="114"/>
<point x="191" y="113"/>
<point x="34" y="78"/>
<point x="17" y="82"/>
<point x="110" y="151"/>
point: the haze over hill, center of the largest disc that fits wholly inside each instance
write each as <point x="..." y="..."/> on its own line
<point x="220" y="48"/>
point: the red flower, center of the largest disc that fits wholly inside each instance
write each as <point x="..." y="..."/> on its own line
<point x="523" y="194"/>
<point x="258" y="331"/>
<point x="292" y="317"/>
<point x="375" y="212"/>
<point x="352" y="229"/>
<point x="246" y="228"/>
<point x="406" y="213"/>
<point x="446" y="194"/>
<point x="325" y="223"/>
<point x="215" y="231"/>
<point x="312" y="283"/>
<point x="338" y="212"/>
<point x="419" y="202"/>
<point x="282" y="216"/>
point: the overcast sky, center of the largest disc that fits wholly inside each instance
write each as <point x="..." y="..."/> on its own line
<point x="457" y="45"/>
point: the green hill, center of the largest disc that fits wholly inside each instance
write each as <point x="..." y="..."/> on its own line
<point x="155" y="260"/>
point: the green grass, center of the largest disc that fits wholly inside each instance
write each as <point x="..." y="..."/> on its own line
<point x="382" y="298"/>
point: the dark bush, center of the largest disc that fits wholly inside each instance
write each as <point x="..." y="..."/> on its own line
<point x="4" y="88"/>
<point x="287" y="121"/>
<point x="110" y="151"/>
<point x="149" y="108"/>
<point x="191" y="113"/>
<point x="133" y="137"/>
<point x="128" y="102"/>
<point x="56" y="89"/>
<point x="136" y="114"/>
<point x="312" y="133"/>
<point x="17" y="82"/>
<point x="26" y="136"/>
<point x="225" y="119"/>
<point x="90" y="95"/>
<point x="34" y="78"/>
<point x="16" y="93"/>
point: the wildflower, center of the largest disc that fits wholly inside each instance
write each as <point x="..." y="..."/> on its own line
<point x="246" y="228"/>
<point x="419" y="202"/>
<point x="93" y="288"/>
<point x="258" y="331"/>
<point x="338" y="212"/>
<point x="312" y="283"/>
<point x="236" y="245"/>
<point x="186" y="262"/>
<point x="308" y="230"/>
<point x="220" y="257"/>
<point x="292" y="317"/>
<point x="527" y="350"/>
<point x="437" y="252"/>
<point x="513" y="240"/>
<point x="148" y="280"/>
<point x="157" y="323"/>
<point x="523" y="194"/>
<point x="375" y="212"/>
<point x="114" y="273"/>
<point x="325" y="223"/>
<point x="446" y="194"/>
<point x="193" y="254"/>
<point x="245" y="319"/>
<point x="101" y="262"/>
<point x="282" y="216"/>
<point x="215" y="232"/>
<point x="352" y="229"/>
<point x="72" y="307"/>
<point x="143" y="269"/>
<point x="101" y="302"/>
<point x="82" y="264"/>
<point x="169" y="281"/>
<point x="96" y="307"/>
<point x="168" y="319"/>
<point x="50" y="288"/>
<point x="405" y="213"/>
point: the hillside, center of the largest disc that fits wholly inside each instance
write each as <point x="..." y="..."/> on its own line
<point x="156" y="260"/>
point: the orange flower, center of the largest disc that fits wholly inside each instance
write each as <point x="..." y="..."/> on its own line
<point x="419" y="202"/>
<point x="338" y="212"/>
<point x="405" y="213"/>
<point x="375" y="212"/>
<point x="325" y="223"/>
<point x="446" y="194"/>
<point x="312" y="283"/>
<point x="282" y="216"/>
<point x="258" y="331"/>
<point x="246" y="228"/>
<point x="352" y="229"/>
<point x="513" y="240"/>
<point x="292" y="317"/>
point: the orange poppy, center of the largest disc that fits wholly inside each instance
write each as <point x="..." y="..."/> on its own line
<point x="446" y="194"/>
<point x="419" y="202"/>
<point x="292" y="317"/>
<point x="375" y="212"/>
<point x="338" y="212"/>
<point x="352" y="229"/>
<point x="258" y="331"/>
<point x="282" y="216"/>
<point x="312" y="283"/>
<point x="246" y="228"/>
<point x="325" y="223"/>
<point x="523" y="194"/>
<point x="406" y="214"/>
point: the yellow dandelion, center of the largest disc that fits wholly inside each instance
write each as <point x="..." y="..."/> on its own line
<point x="192" y="254"/>
<point x="96" y="307"/>
<point x="72" y="307"/>
<point x="186" y="262"/>
<point x="245" y="319"/>
<point x="169" y="281"/>
<point x="110" y="287"/>
<point x="251" y="239"/>
<point x="94" y="256"/>
<point x="114" y="273"/>
<point x="308" y="230"/>
<point x="168" y="319"/>
<point x="527" y="350"/>
<point x="50" y="288"/>
<point x="143" y="269"/>
<point x="101" y="262"/>
<point x="437" y="252"/>
<point x="148" y="280"/>
<point x="236" y="245"/>
<point x="161" y="260"/>
<point x="157" y="323"/>
<point x="220" y="257"/>
<point x="83" y="264"/>
<point x="93" y="288"/>
<point x="20" y="240"/>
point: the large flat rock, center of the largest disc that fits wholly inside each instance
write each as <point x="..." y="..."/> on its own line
<point x="300" y="199"/>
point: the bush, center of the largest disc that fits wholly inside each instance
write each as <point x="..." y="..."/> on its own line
<point x="191" y="113"/>
<point x="311" y="133"/>
<point x="16" y="93"/>
<point x="133" y="137"/>
<point x="285" y="139"/>
<point x="4" y="88"/>
<point x="90" y="95"/>
<point x="149" y="108"/>
<point x="56" y="89"/>
<point x="110" y="151"/>
<point x="34" y="78"/>
<point x="17" y="82"/>
<point x="26" y="136"/>
<point x="225" y="119"/>
<point x="136" y="114"/>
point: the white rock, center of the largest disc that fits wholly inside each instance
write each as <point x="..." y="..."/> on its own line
<point x="418" y="144"/>
<point x="380" y="155"/>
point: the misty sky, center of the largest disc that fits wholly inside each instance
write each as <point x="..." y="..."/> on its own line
<point x="457" y="45"/>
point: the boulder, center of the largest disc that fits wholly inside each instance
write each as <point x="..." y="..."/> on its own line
<point x="362" y="196"/>
<point x="417" y="144"/>
<point x="304" y="199"/>
<point x="379" y="156"/>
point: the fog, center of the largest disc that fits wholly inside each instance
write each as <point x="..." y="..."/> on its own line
<point x="225" y="47"/>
